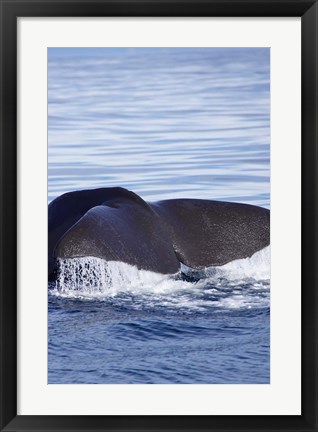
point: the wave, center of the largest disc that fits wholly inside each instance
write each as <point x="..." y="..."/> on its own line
<point x="239" y="284"/>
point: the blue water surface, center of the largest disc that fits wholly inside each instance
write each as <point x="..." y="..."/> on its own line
<point x="165" y="123"/>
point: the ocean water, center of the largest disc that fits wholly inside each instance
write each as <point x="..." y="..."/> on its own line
<point x="164" y="123"/>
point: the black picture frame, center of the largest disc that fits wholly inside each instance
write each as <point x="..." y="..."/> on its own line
<point x="10" y="11"/>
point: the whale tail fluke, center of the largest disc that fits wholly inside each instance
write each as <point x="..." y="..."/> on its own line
<point x="212" y="233"/>
<point x="117" y="225"/>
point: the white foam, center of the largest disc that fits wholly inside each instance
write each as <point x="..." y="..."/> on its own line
<point x="239" y="284"/>
<point x="95" y="277"/>
<point x="256" y="267"/>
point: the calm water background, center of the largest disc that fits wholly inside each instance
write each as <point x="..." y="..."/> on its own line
<point x="164" y="123"/>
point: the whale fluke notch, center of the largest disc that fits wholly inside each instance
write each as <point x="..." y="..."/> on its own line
<point x="117" y="225"/>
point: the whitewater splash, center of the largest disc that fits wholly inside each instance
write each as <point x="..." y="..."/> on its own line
<point x="241" y="283"/>
<point x="256" y="267"/>
<point x="95" y="276"/>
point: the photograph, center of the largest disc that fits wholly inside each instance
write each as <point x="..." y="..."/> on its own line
<point x="158" y="215"/>
<point x="164" y="156"/>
